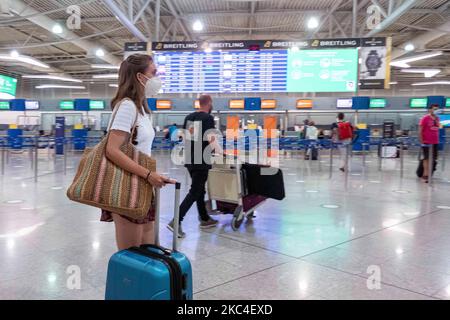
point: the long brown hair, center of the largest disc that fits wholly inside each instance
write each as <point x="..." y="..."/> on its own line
<point x="129" y="86"/>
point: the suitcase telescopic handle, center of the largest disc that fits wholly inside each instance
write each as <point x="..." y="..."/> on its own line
<point x="176" y="217"/>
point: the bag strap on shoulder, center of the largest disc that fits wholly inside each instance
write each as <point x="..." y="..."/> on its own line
<point x="113" y="117"/>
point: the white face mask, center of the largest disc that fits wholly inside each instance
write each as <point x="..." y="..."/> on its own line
<point x="152" y="86"/>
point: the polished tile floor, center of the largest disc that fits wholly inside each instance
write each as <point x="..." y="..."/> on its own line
<point x="372" y="235"/>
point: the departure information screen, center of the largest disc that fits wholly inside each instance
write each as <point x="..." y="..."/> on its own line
<point x="284" y="70"/>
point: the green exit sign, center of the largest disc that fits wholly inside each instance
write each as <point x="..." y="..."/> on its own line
<point x="96" y="104"/>
<point x="66" y="105"/>
<point x="4" y="105"/>
<point x="377" y="103"/>
<point x="418" y="103"/>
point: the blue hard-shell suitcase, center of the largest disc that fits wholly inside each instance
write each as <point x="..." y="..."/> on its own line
<point x="151" y="272"/>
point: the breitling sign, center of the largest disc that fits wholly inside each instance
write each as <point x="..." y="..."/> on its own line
<point x="266" y="44"/>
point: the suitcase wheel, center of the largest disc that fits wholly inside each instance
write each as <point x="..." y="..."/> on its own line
<point x="237" y="218"/>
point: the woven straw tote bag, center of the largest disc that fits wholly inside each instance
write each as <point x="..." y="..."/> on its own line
<point x="101" y="183"/>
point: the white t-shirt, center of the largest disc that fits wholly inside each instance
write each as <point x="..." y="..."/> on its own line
<point x="124" y="120"/>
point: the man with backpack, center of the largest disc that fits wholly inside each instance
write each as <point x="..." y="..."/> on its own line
<point x="342" y="134"/>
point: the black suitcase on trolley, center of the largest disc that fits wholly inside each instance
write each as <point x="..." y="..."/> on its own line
<point x="264" y="181"/>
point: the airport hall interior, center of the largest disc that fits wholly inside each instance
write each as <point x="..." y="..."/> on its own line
<point x="224" y="150"/>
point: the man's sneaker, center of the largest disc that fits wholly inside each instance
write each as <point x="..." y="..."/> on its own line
<point x="208" y="223"/>
<point x="181" y="233"/>
<point x="342" y="169"/>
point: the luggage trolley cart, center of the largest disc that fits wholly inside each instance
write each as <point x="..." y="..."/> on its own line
<point x="227" y="186"/>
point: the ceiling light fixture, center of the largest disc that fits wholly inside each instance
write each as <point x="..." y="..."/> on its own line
<point x="15" y="56"/>
<point x="431" y="83"/>
<point x="57" y="29"/>
<point x="51" y="77"/>
<point x="106" y="76"/>
<point x="197" y="26"/>
<point x="100" y="53"/>
<point x="403" y="63"/>
<point x="58" y="86"/>
<point x="409" y="47"/>
<point x="313" y="23"/>
<point x="113" y="85"/>
<point x="428" y="73"/>
<point x="104" y="66"/>
<point x="393" y="82"/>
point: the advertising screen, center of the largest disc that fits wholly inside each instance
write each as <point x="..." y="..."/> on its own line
<point x="331" y="70"/>
<point x="344" y="103"/>
<point x="31" y="105"/>
<point x="96" y="104"/>
<point x="197" y="104"/>
<point x="447" y="103"/>
<point x="4" y="105"/>
<point x="418" y="102"/>
<point x="8" y="87"/>
<point x="66" y="105"/>
<point x="377" y="103"/>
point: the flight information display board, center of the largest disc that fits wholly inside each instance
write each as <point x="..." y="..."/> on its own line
<point x="224" y="71"/>
<point x="330" y="70"/>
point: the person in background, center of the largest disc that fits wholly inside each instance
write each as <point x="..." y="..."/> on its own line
<point x="342" y="133"/>
<point x="303" y="129"/>
<point x="429" y="135"/>
<point x="197" y="124"/>
<point x="311" y="133"/>
<point x="171" y="134"/>
<point x="137" y="81"/>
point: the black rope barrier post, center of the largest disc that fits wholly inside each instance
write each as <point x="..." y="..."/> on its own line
<point x="36" y="159"/>
<point x="3" y="145"/>
<point x="402" y="162"/>
<point x="430" y="164"/>
<point x="331" y="159"/>
<point x="65" y="150"/>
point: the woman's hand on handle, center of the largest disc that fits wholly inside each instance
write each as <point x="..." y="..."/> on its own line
<point x="158" y="180"/>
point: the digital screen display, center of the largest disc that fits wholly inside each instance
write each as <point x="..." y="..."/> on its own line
<point x="66" y="105"/>
<point x="8" y="86"/>
<point x="268" y="104"/>
<point x="344" y="103"/>
<point x="163" y="104"/>
<point x="418" y="102"/>
<point x="197" y="104"/>
<point x="444" y="120"/>
<point x="31" y="105"/>
<point x="4" y="105"/>
<point x="447" y="103"/>
<point x="236" y="104"/>
<point x="304" y="104"/>
<point x="96" y="104"/>
<point x="377" y="103"/>
<point x="329" y="70"/>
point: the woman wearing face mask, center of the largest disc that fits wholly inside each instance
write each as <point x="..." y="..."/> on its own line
<point x="137" y="81"/>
